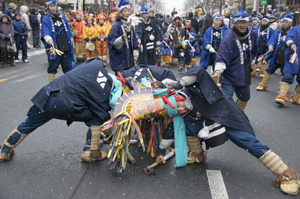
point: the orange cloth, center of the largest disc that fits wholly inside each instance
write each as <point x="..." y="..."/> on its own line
<point x="101" y="46"/>
<point x="167" y="59"/>
<point x="79" y="26"/>
<point x="89" y="32"/>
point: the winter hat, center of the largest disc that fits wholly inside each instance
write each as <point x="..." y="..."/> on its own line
<point x="51" y="1"/>
<point x="144" y="10"/>
<point x="288" y="17"/>
<point x="241" y="16"/>
<point x="171" y="28"/>
<point x="12" y="5"/>
<point x="166" y="35"/>
<point x="279" y="19"/>
<point x="218" y="17"/>
<point x="17" y="13"/>
<point x="188" y="20"/>
<point x="255" y="17"/>
<point x="123" y="4"/>
<point x="265" y="17"/>
<point x="177" y="16"/>
<point x="272" y="17"/>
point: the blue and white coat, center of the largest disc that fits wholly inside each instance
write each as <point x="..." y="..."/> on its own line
<point x="208" y="39"/>
<point x="49" y="29"/>
<point x="292" y="37"/>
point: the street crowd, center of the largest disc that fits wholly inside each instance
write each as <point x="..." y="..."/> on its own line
<point x="134" y="45"/>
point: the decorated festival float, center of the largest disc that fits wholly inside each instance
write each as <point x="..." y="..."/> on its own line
<point x="146" y="112"/>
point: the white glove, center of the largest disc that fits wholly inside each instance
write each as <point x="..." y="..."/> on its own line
<point x="168" y="81"/>
<point x="212" y="50"/>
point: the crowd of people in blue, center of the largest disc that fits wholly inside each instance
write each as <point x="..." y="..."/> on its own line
<point x="137" y="45"/>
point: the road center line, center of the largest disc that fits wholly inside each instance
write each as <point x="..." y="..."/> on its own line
<point x="11" y="72"/>
<point x="216" y="184"/>
<point x="20" y="80"/>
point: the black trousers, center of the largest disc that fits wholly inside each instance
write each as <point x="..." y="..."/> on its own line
<point x="5" y="56"/>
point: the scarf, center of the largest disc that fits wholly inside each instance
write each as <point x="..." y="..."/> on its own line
<point x="262" y="28"/>
<point x="55" y="15"/>
<point x="216" y="28"/>
<point x="285" y="29"/>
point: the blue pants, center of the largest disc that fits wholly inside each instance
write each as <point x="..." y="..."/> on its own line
<point x="240" y="138"/>
<point x="247" y="141"/>
<point x="36" y="118"/>
<point x="65" y="60"/>
<point x="242" y="92"/>
<point x="211" y="62"/>
<point x="21" y="43"/>
<point x="289" y="78"/>
<point x="35" y="37"/>
<point x="272" y="69"/>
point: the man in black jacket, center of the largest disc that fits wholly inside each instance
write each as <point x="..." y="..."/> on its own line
<point x="194" y="22"/>
<point x="35" y="27"/>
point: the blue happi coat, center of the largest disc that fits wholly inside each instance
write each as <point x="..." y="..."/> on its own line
<point x="49" y="29"/>
<point x="267" y="34"/>
<point x="196" y="49"/>
<point x="276" y="41"/>
<point x="164" y="49"/>
<point x="119" y="58"/>
<point x="231" y="54"/>
<point x="85" y="93"/>
<point x="214" y="105"/>
<point x="141" y="33"/>
<point x="208" y="39"/>
<point x="293" y="35"/>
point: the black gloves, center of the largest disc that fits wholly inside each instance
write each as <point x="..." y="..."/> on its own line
<point x="176" y="85"/>
<point x="160" y="84"/>
<point x="87" y="39"/>
<point x="93" y="39"/>
<point x="6" y="39"/>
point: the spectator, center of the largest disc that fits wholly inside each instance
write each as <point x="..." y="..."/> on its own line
<point x="273" y="23"/>
<point x="35" y="27"/>
<point x="12" y="9"/>
<point x="42" y="12"/>
<point x="25" y="18"/>
<point x="3" y="9"/>
<point x="6" y="33"/>
<point x="20" y="36"/>
<point x="207" y="23"/>
<point x="194" y="22"/>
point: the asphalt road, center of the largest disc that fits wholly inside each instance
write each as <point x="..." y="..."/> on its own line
<point x="47" y="163"/>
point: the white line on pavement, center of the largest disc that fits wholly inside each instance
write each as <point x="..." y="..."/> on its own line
<point x="216" y="184"/>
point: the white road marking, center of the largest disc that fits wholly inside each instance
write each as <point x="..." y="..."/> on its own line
<point x="216" y="184"/>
